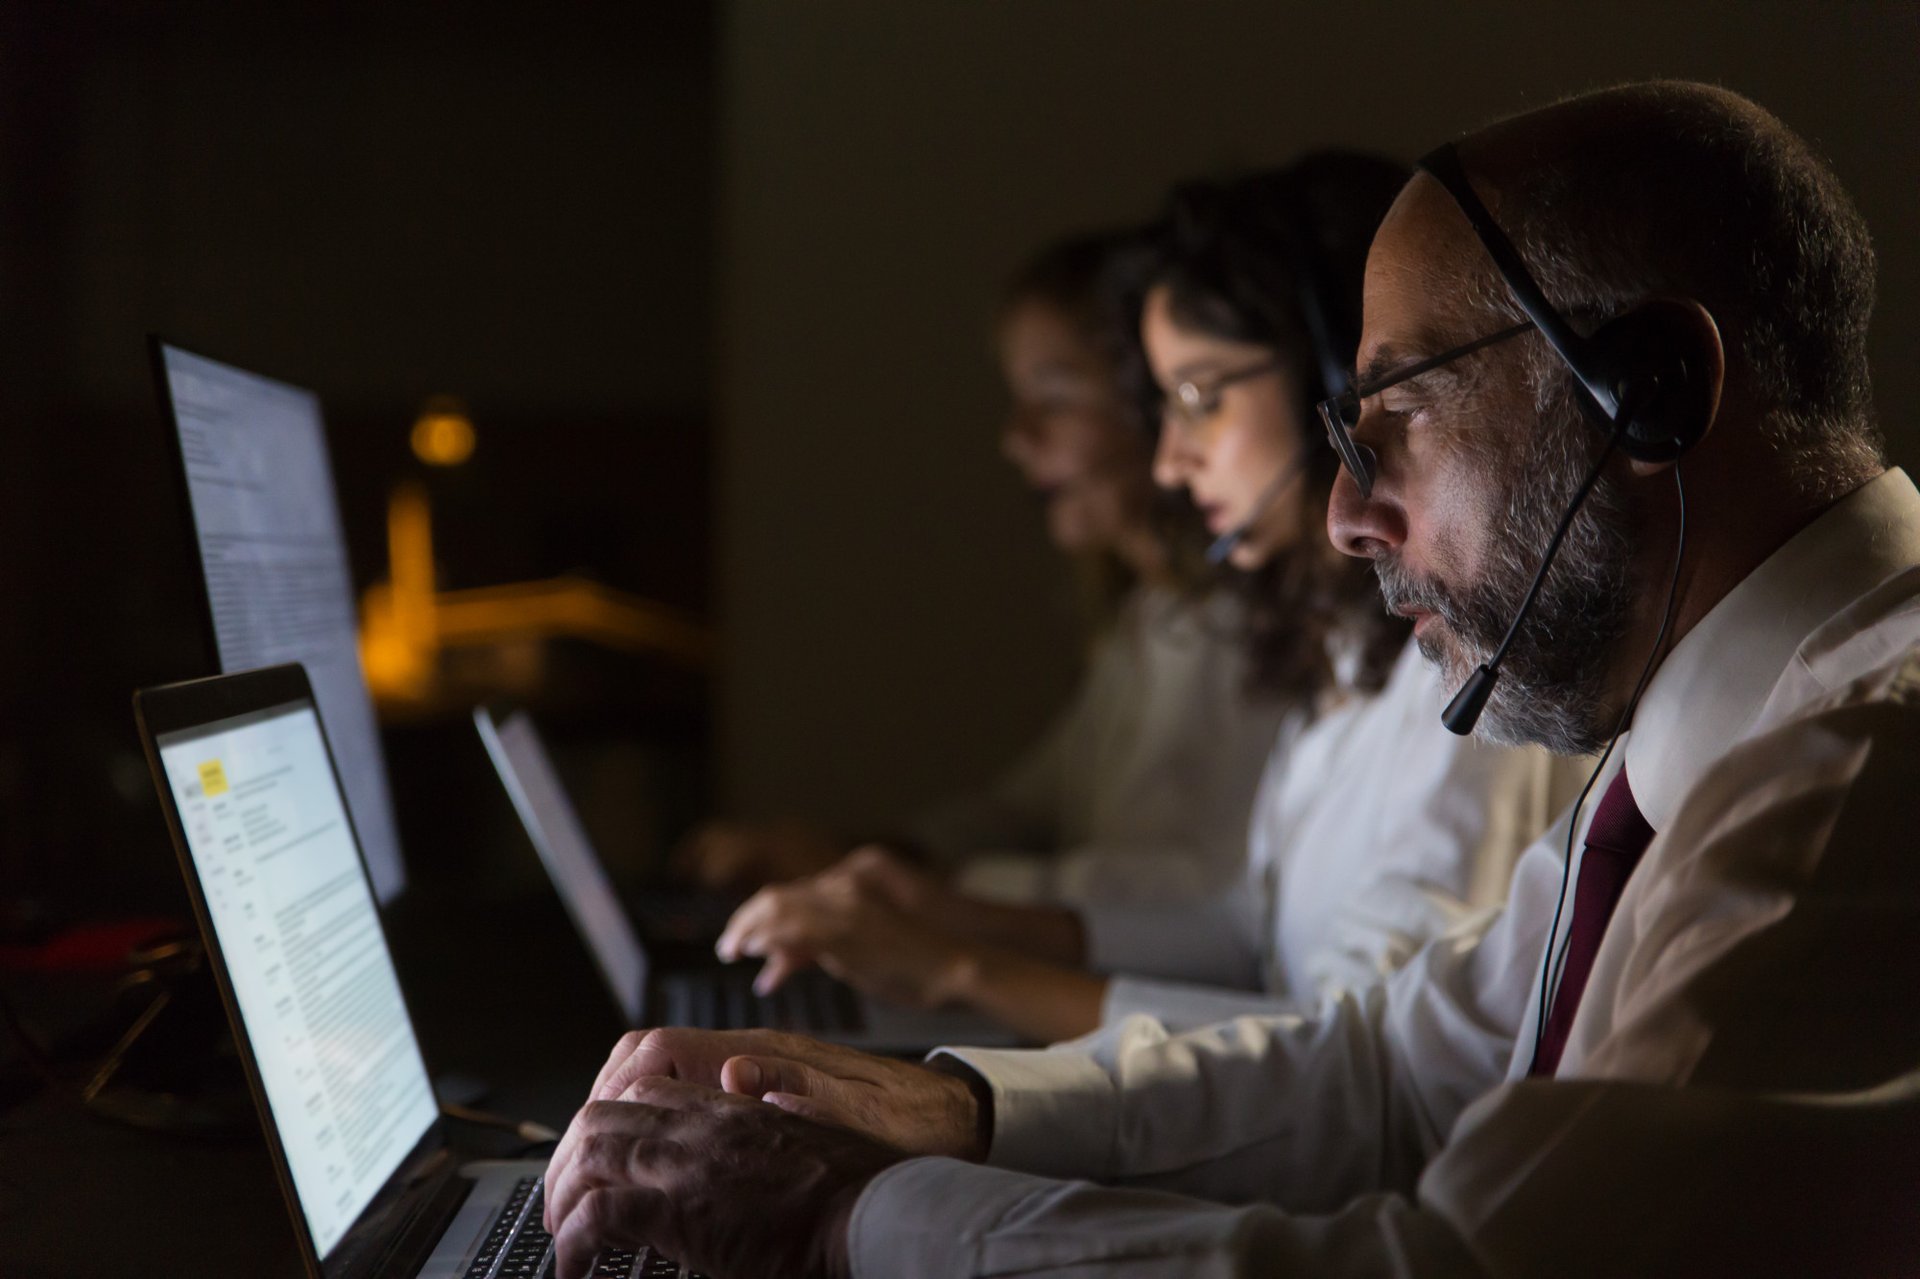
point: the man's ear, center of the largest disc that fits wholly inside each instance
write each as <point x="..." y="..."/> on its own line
<point x="1669" y="366"/>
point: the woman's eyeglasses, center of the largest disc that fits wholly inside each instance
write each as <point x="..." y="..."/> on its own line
<point x="1193" y="402"/>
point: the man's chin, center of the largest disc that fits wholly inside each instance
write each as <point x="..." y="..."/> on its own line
<point x="1443" y="651"/>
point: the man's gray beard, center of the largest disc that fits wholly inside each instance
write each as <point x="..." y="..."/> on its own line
<point x="1552" y="686"/>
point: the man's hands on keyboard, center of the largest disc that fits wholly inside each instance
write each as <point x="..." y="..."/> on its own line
<point x="729" y="1185"/>
<point x="903" y="1104"/>
<point x="519" y="1247"/>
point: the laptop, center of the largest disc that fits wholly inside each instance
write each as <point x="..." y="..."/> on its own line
<point x="650" y="992"/>
<point x="280" y="887"/>
<point x="250" y="453"/>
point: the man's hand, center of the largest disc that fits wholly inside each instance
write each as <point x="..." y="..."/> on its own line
<point x="916" y="1110"/>
<point x="849" y="921"/>
<point x="742" y="856"/>
<point x="718" y="1182"/>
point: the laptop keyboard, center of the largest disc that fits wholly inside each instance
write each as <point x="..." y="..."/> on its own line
<point x="723" y="999"/>
<point x="519" y="1247"/>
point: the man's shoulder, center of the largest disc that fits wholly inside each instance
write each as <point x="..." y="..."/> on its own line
<point x="1865" y="721"/>
<point x="1863" y="648"/>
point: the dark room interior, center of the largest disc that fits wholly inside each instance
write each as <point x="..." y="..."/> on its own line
<point x="656" y="349"/>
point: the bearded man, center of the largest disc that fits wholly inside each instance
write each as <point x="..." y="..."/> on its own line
<point x="1692" y="1046"/>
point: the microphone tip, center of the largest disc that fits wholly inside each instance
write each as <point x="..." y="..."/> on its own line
<point x="1463" y="712"/>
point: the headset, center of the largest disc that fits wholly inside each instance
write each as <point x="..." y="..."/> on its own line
<point x="1636" y="385"/>
<point x="1332" y="341"/>
<point x="1633" y="381"/>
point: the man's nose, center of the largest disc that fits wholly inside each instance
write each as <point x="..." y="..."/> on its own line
<point x="1365" y="527"/>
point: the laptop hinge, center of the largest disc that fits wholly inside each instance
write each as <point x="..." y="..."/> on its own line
<point x="400" y="1240"/>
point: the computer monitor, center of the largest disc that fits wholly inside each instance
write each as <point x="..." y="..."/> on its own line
<point x="269" y="854"/>
<point x="253" y="455"/>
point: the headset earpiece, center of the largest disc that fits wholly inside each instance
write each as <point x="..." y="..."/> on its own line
<point x="1652" y="361"/>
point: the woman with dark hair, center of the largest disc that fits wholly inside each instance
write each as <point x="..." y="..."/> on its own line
<point x="1249" y="313"/>
<point x="1140" y="787"/>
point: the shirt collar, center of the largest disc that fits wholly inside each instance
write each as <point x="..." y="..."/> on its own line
<point x="1712" y="686"/>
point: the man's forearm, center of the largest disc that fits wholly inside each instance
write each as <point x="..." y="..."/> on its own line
<point x="1050" y="933"/>
<point x="1042" y="1001"/>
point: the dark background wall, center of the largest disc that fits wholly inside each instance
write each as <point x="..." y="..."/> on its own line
<point x="895" y="624"/>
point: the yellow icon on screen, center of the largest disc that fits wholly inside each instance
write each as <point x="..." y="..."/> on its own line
<point x="213" y="779"/>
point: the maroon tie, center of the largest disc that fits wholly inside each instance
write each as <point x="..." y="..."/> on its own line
<point x="1615" y="839"/>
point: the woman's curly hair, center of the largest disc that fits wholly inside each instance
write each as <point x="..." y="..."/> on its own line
<point x="1276" y="258"/>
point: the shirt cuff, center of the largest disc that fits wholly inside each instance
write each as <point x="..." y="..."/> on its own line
<point x="1054" y="1113"/>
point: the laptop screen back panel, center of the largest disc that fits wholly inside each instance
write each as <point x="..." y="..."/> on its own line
<point x="552" y="823"/>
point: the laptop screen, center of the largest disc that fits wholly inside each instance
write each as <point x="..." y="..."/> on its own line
<point x="554" y="827"/>
<point x="275" y="563"/>
<point x="295" y="919"/>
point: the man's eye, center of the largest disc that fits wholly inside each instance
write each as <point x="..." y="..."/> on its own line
<point x="1402" y="402"/>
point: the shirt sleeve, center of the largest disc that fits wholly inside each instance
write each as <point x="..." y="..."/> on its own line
<point x="1582" y="1179"/>
<point x="1005" y="1223"/>
<point x="1304" y="1109"/>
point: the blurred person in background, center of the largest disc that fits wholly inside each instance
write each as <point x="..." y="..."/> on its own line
<point x="1139" y="788"/>
<point x="1248" y="314"/>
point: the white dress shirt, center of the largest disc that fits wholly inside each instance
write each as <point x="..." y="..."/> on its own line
<point x="1140" y="789"/>
<point x="1375" y="831"/>
<point x="1738" y="1092"/>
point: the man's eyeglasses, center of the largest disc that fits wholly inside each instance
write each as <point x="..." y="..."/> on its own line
<point x="1600" y="393"/>
<point x="1341" y="413"/>
<point x="1193" y="402"/>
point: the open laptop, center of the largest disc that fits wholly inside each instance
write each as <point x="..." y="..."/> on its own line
<point x="251" y="457"/>
<point x="710" y="996"/>
<point x="280" y="888"/>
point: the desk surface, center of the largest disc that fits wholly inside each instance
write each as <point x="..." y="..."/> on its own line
<point x="502" y="994"/>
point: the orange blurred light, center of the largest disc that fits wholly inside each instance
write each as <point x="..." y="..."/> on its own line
<point x="443" y="433"/>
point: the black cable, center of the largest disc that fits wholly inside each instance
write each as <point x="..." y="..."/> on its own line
<point x="1553" y="549"/>
<point x="1554" y="964"/>
<point x="528" y="1130"/>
